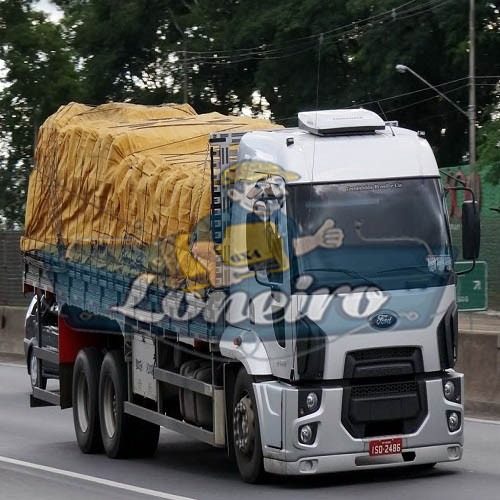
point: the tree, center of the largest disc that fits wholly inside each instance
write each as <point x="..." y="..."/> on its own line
<point x="124" y="47"/>
<point x="297" y="54"/>
<point x="489" y="150"/>
<point x="352" y="63"/>
<point x="231" y="55"/>
<point x="39" y="76"/>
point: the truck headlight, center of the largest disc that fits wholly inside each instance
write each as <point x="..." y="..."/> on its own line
<point x="312" y="401"/>
<point x="309" y="401"/>
<point x="452" y="390"/>
<point x="454" y="421"/>
<point x="307" y="433"/>
<point x="449" y="390"/>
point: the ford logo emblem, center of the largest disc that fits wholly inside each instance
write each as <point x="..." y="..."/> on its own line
<point x="383" y="320"/>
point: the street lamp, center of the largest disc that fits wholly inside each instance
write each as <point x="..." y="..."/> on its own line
<point x="401" y="68"/>
<point x="471" y="115"/>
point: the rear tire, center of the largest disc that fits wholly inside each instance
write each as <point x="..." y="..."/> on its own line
<point x="85" y="400"/>
<point x="122" y="435"/>
<point x="246" y="430"/>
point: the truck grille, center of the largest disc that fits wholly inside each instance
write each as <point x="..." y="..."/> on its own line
<point x="382" y="396"/>
<point x="376" y="390"/>
<point x="386" y="353"/>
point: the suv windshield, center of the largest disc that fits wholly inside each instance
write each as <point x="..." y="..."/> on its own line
<point x="395" y="234"/>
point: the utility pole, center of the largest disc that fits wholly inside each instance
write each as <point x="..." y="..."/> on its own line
<point x="470" y="114"/>
<point x="184" y="56"/>
<point x="472" y="93"/>
<point x="184" y="71"/>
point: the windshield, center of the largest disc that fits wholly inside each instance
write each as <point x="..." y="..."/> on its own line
<point x="395" y="234"/>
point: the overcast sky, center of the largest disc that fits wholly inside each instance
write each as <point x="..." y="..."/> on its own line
<point x="47" y="6"/>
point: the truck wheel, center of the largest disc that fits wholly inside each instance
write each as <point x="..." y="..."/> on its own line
<point x="33" y="371"/>
<point x="122" y="435"/>
<point x="246" y="430"/>
<point x="85" y="393"/>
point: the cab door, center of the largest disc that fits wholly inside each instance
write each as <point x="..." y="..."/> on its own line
<point x="268" y="287"/>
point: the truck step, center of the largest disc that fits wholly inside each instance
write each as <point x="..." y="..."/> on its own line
<point x="174" y="424"/>
<point x="42" y="397"/>
<point x="184" y="382"/>
<point x="46" y="355"/>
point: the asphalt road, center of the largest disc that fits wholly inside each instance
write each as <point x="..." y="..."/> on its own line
<point x="39" y="459"/>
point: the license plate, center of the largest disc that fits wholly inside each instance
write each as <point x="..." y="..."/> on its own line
<point x="380" y="447"/>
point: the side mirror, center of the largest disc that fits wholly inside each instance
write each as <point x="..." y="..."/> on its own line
<point x="471" y="230"/>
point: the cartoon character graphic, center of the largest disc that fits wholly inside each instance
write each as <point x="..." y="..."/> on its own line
<point x="258" y="236"/>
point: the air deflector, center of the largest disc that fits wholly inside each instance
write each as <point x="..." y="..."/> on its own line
<point x="340" y="122"/>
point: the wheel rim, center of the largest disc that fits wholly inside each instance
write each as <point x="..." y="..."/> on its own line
<point x="34" y="370"/>
<point x="244" y="425"/>
<point x="109" y="407"/>
<point x="82" y="402"/>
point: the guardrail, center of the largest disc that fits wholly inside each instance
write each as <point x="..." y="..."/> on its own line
<point x="479" y="360"/>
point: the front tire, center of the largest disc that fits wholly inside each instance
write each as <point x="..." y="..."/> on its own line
<point x="246" y="430"/>
<point x="85" y="400"/>
<point x="33" y="371"/>
<point x="122" y="435"/>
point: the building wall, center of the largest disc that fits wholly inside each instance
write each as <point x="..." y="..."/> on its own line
<point x="11" y="270"/>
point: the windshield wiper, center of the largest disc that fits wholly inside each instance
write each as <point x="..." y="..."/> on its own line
<point x="390" y="239"/>
<point x="407" y="268"/>
<point x="348" y="272"/>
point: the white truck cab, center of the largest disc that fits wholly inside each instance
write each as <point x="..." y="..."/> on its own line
<point x="361" y="355"/>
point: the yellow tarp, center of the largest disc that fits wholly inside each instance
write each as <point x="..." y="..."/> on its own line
<point x="117" y="177"/>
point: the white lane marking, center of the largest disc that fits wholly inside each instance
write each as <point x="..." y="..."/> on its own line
<point x="92" y="479"/>
<point x="482" y="420"/>
<point x="15" y="365"/>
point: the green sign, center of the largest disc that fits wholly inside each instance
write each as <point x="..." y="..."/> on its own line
<point x="472" y="288"/>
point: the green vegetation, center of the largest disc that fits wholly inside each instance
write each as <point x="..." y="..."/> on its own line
<point x="254" y="55"/>
<point x="489" y="150"/>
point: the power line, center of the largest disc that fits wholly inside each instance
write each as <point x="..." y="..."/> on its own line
<point x="410" y="15"/>
<point x="303" y="44"/>
<point x="375" y="101"/>
<point x="425" y="89"/>
<point x="259" y="47"/>
<point x="427" y="99"/>
<point x="433" y="97"/>
<point x="292" y="48"/>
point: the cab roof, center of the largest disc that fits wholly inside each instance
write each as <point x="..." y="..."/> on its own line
<point x="383" y="153"/>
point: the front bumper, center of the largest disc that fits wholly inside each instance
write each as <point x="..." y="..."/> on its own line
<point x="334" y="448"/>
<point x="351" y="461"/>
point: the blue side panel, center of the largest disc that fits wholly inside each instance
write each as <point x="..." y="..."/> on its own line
<point x="94" y="294"/>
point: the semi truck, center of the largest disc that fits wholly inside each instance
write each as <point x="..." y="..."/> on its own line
<point x="285" y="294"/>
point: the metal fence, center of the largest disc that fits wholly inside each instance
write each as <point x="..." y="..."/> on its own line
<point x="489" y="197"/>
<point x="11" y="270"/>
<point x="490" y="252"/>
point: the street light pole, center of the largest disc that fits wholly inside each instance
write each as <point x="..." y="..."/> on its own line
<point x="403" y="69"/>
<point x="471" y="112"/>
<point x="472" y="92"/>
